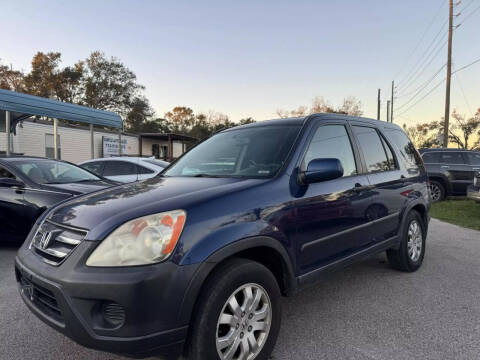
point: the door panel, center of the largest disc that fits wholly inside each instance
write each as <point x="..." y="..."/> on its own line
<point x="456" y="169"/>
<point x="331" y="214"/>
<point x="12" y="214"/>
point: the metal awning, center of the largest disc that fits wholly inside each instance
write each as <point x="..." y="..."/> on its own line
<point x="15" y="107"/>
<point x="22" y="106"/>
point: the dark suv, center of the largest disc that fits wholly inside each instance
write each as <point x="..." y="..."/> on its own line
<point x="450" y="171"/>
<point x="196" y="259"/>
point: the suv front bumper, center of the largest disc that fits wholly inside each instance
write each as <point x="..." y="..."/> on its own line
<point x="133" y="311"/>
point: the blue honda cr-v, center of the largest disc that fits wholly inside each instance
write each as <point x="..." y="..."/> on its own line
<point x="195" y="260"/>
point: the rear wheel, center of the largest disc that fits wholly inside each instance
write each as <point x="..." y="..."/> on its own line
<point x="437" y="191"/>
<point x="409" y="256"/>
<point x="238" y="314"/>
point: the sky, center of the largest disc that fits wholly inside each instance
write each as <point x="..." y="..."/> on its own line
<point x="250" y="58"/>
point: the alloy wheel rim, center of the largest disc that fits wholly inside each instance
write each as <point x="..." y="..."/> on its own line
<point x="415" y="240"/>
<point x="435" y="192"/>
<point x="244" y="323"/>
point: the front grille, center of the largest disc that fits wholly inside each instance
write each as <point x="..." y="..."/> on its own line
<point x="55" y="242"/>
<point x="42" y="298"/>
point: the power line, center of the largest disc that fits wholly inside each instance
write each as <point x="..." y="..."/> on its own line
<point x="457" y="77"/>
<point x="421" y="40"/>
<point x="467" y="66"/>
<point x="423" y="85"/>
<point x="425" y="55"/>
<point x="422" y="69"/>
<point x="422" y="88"/>
<point x="469" y="15"/>
<point x="423" y="97"/>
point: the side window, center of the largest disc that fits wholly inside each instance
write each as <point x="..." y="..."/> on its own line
<point x="451" y="158"/>
<point x="407" y="150"/>
<point x="332" y="141"/>
<point x="95" y="167"/>
<point x="4" y="173"/>
<point x="143" y="170"/>
<point x="430" y="157"/>
<point x="473" y="158"/>
<point x="118" y="168"/>
<point x="373" y="149"/>
<point x="391" y="159"/>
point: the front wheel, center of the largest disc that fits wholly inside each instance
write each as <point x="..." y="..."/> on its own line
<point x="238" y="314"/>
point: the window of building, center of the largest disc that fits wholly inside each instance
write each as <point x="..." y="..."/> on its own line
<point x="451" y="158"/>
<point x="332" y="141"/>
<point x="118" y="168"/>
<point x="50" y="147"/>
<point x="373" y="150"/>
<point x="3" y="122"/>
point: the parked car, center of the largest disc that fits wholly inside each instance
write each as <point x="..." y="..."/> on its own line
<point x="196" y="259"/>
<point x="29" y="185"/>
<point x="125" y="169"/>
<point x="450" y="170"/>
<point x="473" y="191"/>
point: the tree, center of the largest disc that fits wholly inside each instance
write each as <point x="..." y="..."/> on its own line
<point x="350" y="106"/>
<point x="11" y="79"/>
<point x="181" y="119"/>
<point x="139" y="116"/>
<point x="108" y="84"/>
<point x="248" y="120"/>
<point x="42" y="79"/>
<point x="466" y="128"/>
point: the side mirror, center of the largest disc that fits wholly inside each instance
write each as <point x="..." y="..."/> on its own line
<point x="10" y="182"/>
<point x="322" y="170"/>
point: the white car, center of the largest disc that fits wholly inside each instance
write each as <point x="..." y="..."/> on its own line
<point x="125" y="169"/>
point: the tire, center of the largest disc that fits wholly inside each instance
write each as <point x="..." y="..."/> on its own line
<point x="437" y="191"/>
<point x="409" y="258"/>
<point x="234" y="277"/>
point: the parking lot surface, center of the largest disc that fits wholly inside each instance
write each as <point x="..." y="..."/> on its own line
<point x="367" y="311"/>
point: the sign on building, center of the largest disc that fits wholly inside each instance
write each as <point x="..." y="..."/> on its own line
<point x="110" y="146"/>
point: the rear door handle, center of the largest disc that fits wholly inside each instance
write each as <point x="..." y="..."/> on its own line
<point x="445" y="167"/>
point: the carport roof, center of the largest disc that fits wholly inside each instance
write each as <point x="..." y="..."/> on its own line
<point x="23" y="106"/>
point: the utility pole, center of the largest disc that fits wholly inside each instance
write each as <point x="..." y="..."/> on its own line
<point x="378" y="105"/>
<point x="391" y="102"/>
<point x="388" y="110"/>
<point x="449" y="75"/>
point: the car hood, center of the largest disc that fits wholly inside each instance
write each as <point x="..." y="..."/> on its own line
<point x="103" y="211"/>
<point x="80" y="188"/>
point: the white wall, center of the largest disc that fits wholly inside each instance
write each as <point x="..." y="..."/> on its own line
<point x="74" y="142"/>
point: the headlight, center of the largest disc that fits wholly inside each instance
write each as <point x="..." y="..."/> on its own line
<point x="146" y="240"/>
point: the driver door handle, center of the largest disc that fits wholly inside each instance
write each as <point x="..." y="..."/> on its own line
<point x="18" y="190"/>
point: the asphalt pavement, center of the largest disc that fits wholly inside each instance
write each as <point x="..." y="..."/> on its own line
<point x="367" y="311"/>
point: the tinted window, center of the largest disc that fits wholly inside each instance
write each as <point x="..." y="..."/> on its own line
<point x="118" y="168"/>
<point x="388" y="150"/>
<point x="332" y="141"/>
<point x="4" y="173"/>
<point x="407" y="150"/>
<point x="473" y="158"/>
<point x="430" y="158"/>
<point x="53" y="172"/>
<point x="95" y="167"/>
<point x="258" y="151"/>
<point x="451" y="158"/>
<point x="372" y="148"/>
<point x="144" y="170"/>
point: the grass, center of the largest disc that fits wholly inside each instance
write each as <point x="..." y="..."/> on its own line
<point x="461" y="212"/>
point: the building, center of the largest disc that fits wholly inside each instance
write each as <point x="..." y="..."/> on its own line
<point x="35" y="138"/>
<point x="78" y="133"/>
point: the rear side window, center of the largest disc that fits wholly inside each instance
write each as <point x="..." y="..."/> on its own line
<point x="407" y="150"/>
<point x="94" y="167"/>
<point x="430" y="158"/>
<point x="118" y="168"/>
<point x="473" y="158"/>
<point x="332" y="141"/>
<point x="373" y="150"/>
<point x="143" y="170"/>
<point x="451" y="158"/>
<point x="4" y="173"/>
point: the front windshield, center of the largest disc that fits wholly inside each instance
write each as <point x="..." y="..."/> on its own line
<point x="53" y="172"/>
<point x="258" y="151"/>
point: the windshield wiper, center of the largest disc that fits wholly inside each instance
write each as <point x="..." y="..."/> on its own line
<point x="208" y="175"/>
